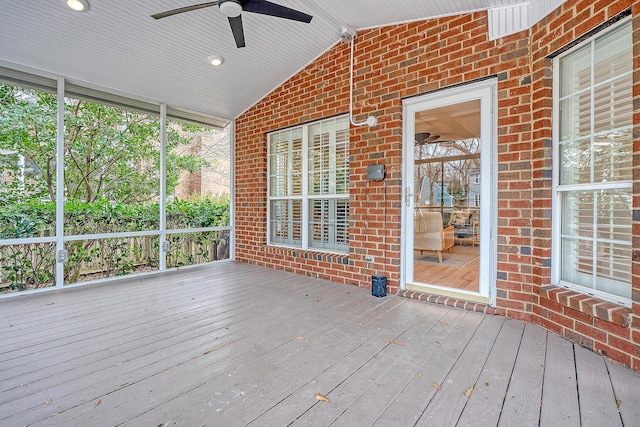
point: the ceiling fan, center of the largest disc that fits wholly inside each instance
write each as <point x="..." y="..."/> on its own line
<point x="422" y="138"/>
<point x="232" y="9"/>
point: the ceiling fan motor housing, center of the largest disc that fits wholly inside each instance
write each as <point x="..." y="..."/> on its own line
<point x="230" y="8"/>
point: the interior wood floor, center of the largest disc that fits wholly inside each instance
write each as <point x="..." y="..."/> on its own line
<point x="463" y="278"/>
<point x="231" y="344"/>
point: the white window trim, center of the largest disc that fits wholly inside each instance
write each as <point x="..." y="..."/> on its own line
<point x="556" y="227"/>
<point x="305" y="197"/>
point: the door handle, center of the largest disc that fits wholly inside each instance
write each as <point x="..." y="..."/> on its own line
<point x="408" y="195"/>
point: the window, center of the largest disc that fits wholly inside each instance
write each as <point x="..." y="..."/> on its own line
<point x="593" y="185"/>
<point x="309" y="186"/>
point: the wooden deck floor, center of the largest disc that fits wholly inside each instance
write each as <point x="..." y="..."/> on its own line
<point x="231" y="344"/>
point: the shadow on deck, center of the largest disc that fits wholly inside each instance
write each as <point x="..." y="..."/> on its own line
<point x="234" y="344"/>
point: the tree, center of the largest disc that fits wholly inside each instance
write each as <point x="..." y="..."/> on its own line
<point x="27" y="131"/>
<point x="110" y="153"/>
<point x="111" y="182"/>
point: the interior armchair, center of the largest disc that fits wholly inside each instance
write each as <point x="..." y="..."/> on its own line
<point x="430" y="235"/>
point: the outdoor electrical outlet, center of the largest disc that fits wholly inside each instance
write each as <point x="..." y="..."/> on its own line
<point x="368" y="258"/>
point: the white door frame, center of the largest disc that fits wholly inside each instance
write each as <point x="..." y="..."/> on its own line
<point x="485" y="91"/>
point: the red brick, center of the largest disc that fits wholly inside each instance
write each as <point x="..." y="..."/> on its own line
<point x="583" y="340"/>
<point x="613" y="353"/>
<point x="579" y="316"/>
<point x="612" y="328"/>
<point x="624" y="345"/>
<point x="553" y="327"/>
<point x="414" y="58"/>
<point x="591" y="332"/>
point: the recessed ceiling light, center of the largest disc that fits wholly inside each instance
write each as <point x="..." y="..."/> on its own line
<point x="78" y="5"/>
<point x="215" y="60"/>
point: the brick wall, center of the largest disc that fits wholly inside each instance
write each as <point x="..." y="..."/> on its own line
<point x="190" y="183"/>
<point x="211" y="179"/>
<point x="399" y="61"/>
<point x="595" y="324"/>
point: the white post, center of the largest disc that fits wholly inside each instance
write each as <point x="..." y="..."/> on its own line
<point x="60" y="183"/>
<point x="232" y="189"/>
<point x="163" y="185"/>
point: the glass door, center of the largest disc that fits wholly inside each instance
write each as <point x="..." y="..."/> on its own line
<point x="448" y="176"/>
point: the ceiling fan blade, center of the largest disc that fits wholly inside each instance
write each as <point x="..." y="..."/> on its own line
<point x="264" y="7"/>
<point x="184" y="9"/>
<point x="421" y="137"/>
<point x="236" y="29"/>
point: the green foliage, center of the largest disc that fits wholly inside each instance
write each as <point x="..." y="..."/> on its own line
<point x="198" y="212"/>
<point x="109" y="153"/>
<point x="27" y="127"/>
<point x="29" y="266"/>
<point x="26" y="265"/>
<point x="25" y="220"/>
<point x="111" y="184"/>
<point x="194" y="248"/>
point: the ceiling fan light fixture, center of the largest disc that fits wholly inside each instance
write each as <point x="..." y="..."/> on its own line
<point x="78" y="5"/>
<point x="230" y="8"/>
<point x="215" y="60"/>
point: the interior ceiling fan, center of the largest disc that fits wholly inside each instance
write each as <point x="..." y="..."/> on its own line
<point x="422" y="138"/>
<point x="233" y="9"/>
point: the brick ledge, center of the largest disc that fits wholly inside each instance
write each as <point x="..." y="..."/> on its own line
<point x="453" y="302"/>
<point x="586" y="304"/>
<point x="307" y="254"/>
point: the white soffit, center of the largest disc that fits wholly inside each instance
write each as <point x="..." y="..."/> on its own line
<point x="506" y="20"/>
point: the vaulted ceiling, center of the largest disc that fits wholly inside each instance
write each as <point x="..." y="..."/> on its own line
<point x="117" y="46"/>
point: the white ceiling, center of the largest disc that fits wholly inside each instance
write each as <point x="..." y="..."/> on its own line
<point x="117" y="46"/>
<point x="451" y="122"/>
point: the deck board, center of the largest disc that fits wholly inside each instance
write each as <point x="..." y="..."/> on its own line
<point x="461" y="381"/>
<point x="485" y="404"/>
<point x="312" y="370"/>
<point x="560" y="390"/>
<point x="329" y="380"/>
<point x="597" y="401"/>
<point x="127" y="349"/>
<point x="165" y="379"/>
<point x="405" y="360"/>
<point x="249" y="383"/>
<point x="361" y="378"/>
<point x="234" y="344"/>
<point x="522" y="400"/>
<point x="626" y="386"/>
